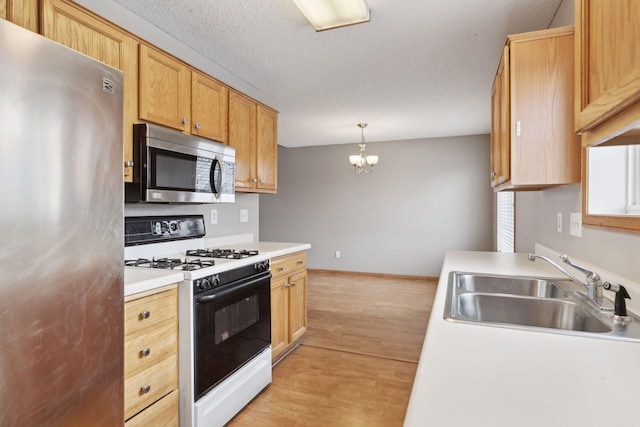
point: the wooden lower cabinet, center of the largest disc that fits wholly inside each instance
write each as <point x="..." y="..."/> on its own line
<point x="151" y="359"/>
<point x="288" y="302"/>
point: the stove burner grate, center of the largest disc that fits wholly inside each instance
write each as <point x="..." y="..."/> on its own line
<point x="222" y="253"/>
<point x="169" y="263"/>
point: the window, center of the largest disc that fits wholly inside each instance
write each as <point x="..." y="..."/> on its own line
<point x="505" y="221"/>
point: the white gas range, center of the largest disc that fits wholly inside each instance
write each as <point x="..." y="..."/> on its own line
<point x="224" y="314"/>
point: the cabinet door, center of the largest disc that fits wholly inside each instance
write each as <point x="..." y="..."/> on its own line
<point x="267" y="161"/>
<point x="500" y="126"/>
<point x="242" y="136"/>
<point x="21" y="12"/>
<point x="279" y="316"/>
<point x="165" y="89"/>
<point x="608" y="59"/>
<point x="209" y="107"/>
<point x="541" y="111"/>
<point x="297" y="305"/>
<point x="79" y="30"/>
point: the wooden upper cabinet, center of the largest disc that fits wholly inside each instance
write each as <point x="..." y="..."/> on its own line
<point x="607" y="69"/>
<point x="267" y="163"/>
<point x="80" y="30"/>
<point x="535" y="85"/>
<point x="500" y="136"/>
<point x="165" y="90"/>
<point x="253" y="132"/>
<point x="242" y="136"/>
<point x="21" y="12"/>
<point x="209" y="107"/>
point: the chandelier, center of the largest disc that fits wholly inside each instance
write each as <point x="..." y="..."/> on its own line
<point x="361" y="162"/>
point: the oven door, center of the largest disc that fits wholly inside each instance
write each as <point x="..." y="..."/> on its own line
<point x="232" y="325"/>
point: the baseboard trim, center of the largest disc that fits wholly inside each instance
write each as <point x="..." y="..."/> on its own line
<point x="380" y="275"/>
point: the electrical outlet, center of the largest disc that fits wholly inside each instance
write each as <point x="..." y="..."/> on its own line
<point x="337" y="254"/>
<point x="559" y="222"/>
<point x="244" y="215"/>
<point x="214" y="216"/>
<point x="575" y="224"/>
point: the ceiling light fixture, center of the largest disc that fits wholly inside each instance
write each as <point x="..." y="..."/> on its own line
<point x="361" y="161"/>
<point x="328" y="14"/>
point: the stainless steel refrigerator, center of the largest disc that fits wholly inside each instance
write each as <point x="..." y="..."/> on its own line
<point x="61" y="235"/>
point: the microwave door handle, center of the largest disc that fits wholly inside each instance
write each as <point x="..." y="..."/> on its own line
<point x="255" y="283"/>
<point x="212" y="177"/>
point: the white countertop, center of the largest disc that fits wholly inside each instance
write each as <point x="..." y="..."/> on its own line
<point x="138" y="280"/>
<point x="475" y="375"/>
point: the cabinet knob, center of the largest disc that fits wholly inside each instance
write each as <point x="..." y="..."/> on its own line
<point x="287" y="285"/>
<point x="299" y="262"/>
<point x="144" y="315"/>
<point x="145" y="389"/>
<point x="261" y="181"/>
<point x="254" y="180"/>
<point x="280" y="268"/>
<point x="145" y="352"/>
<point x="185" y="121"/>
<point x="128" y="164"/>
<point x="493" y="174"/>
<point x="293" y="284"/>
<point x="197" y="126"/>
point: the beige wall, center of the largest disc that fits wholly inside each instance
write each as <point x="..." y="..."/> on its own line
<point x="424" y="197"/>
<point x="536" y="217"/>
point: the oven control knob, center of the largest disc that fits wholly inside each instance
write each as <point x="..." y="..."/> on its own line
<point x="215" y="281"/>
<point x="203" y="284"/>
<point x="261" y="266"/>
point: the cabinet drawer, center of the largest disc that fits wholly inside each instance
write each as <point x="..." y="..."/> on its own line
<point x="149" y="311"/>
<point x="285" y="265"/>
<point x="163" y="413"/>
<point x="142" y="350"/>
<point x="144" y="388"/>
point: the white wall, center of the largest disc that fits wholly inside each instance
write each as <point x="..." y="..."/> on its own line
<point x="424" y="197"/>
<point x="536" y="217"/>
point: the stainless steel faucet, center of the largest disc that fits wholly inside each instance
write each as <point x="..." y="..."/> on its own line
<point x="593" y="283"/>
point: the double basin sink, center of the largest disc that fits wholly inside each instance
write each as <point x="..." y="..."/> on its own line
<point x="532" y="303"/>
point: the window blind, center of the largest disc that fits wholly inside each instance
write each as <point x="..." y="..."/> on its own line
<point x="505" y="221"/>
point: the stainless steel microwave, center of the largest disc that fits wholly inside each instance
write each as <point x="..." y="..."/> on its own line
<point x="171" y="167"/>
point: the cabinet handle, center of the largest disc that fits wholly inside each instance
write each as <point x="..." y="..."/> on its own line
<point x="254" y="180"/>
<point x="145" y="389"/>
<point x="197" y="126"/>
<point x="287" y="285"/>
<point x="145" y="352"/>
<point x="493" y="174"/>
<point x="128" y="164"/>
<point x="293" y="284"/>
<point x="299" y="262"/>
<point x="144" y="315"/>
<point x="261" y="181"/>
<point x="280" y="268"/>
<point x="185" y="121"/>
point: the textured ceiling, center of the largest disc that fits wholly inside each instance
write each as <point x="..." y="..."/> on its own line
<point x="419" y="69"/>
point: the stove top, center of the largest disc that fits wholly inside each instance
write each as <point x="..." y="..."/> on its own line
<point x="170" y="263"/>
<point x="222" y="253"/>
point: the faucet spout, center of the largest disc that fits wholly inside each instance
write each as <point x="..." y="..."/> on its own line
<point x="532" y="257"/>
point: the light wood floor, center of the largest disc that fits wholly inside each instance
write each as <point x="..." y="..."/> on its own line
<point x="356" y="363"/>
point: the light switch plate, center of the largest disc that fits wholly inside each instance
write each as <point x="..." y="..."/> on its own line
<point x="575" y="224"/>
<point x="244" y="215"/>
<point x="214" y="216"/>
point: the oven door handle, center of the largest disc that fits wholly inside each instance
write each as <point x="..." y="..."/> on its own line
<point x="255" y="283"/>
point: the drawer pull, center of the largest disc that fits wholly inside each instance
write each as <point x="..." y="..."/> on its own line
<point x="145" y="352"/>
<point x="144" y="315"/>
<point x="145" y="389"/>
<point x="299" y="262"/>
<point x="280" y="268"/>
